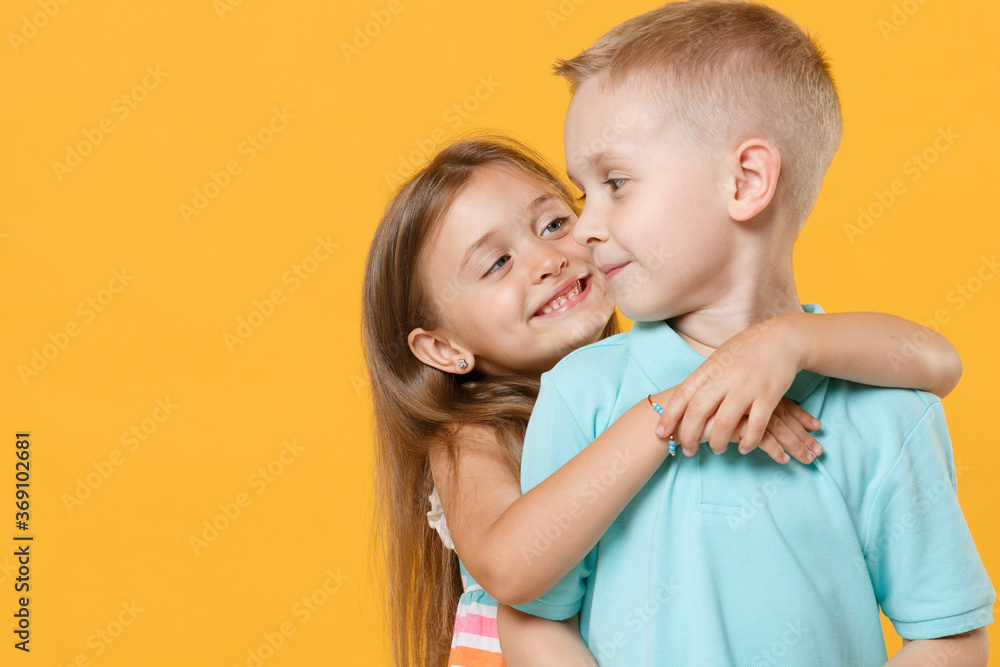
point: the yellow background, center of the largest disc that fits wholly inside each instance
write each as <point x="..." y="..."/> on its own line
<point x="299" y="376"/>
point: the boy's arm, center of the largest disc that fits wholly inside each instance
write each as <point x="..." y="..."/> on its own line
<point x="969" y="649"/>
<point x="869" y="348"/>
<point x="529" y="641"/>
<point x="923" y="564"/>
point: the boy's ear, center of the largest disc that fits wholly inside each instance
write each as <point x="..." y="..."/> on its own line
<point x="756" y="167"/>
<point x="437" y="351"/>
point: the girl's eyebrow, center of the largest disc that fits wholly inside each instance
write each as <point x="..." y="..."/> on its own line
<point x="540" y="200"/>
<point x="485" y="239"/>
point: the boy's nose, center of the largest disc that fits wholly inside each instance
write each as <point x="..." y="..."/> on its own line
<point x="588" y="230"/>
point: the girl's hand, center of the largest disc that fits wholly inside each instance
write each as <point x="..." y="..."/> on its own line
<point x="736" y="396"/>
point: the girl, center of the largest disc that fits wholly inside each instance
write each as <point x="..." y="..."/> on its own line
<point x="474" y="287"/>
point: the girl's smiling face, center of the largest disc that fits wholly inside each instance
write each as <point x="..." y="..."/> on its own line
<point x="509" y="284"/>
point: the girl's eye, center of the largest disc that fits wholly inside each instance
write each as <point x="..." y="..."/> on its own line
<point x="615" y="183"/>
<point x="555" y="226"/>
<point x="497" y="265"/>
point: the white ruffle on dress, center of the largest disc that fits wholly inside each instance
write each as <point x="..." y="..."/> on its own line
<point x="437" y="521"/>
<point x="474" y="641"/>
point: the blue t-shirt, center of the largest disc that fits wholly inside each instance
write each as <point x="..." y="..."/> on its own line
<point x="737" y="560"/>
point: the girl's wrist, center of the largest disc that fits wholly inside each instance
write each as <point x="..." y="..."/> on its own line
<point x="794" y="331"/>
<point x="650" y="417"/>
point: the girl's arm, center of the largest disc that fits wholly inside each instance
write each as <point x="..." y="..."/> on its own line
<point x="527" y="641"/>
<point x="969" y="649"/>
<point x="876" y="349"/>
<point x="871" y="348"/>
<point x="518" y="547"/>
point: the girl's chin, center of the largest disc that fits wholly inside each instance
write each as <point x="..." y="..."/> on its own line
<point x="591" y="334"/>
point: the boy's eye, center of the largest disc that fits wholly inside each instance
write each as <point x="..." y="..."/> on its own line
<point x="497" y="265"/>
<point x="555" y="226"/>
<point x="615" y="183"/>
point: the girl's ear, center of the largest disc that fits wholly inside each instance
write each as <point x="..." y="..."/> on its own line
<point x="431" y="348"/>
<point x="756" y="167"/>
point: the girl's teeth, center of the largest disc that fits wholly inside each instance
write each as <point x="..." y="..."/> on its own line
<point x="556" y="304"/>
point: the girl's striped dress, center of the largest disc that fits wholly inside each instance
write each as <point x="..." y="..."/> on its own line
<point x="474" y="642"/>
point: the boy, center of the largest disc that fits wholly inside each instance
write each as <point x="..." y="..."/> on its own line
<point x="700" y="134"/>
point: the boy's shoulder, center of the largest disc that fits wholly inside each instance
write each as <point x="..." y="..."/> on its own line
<point x="587" y="383"/>
<point x="865" y="403"/>
<point x="615" y="352"/>
<point x="872" y="428"/>
<point x="579" y="365"/>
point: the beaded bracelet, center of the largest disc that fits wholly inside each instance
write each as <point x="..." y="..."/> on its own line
<point x="671" y="445"/>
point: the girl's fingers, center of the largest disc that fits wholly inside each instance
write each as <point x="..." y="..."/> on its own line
<point x="808" y="422"/>
<point x="773" y="449"/>
<point x="680" y="397"/>
<point x="701" y="406"/>
<point x="673" y="410"/>
<point x="790" y="435"/>
<point x="725" y="423"/>
<point x="756" y="423"/>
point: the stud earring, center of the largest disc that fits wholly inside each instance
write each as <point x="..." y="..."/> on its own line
<point x="462" y="364"/>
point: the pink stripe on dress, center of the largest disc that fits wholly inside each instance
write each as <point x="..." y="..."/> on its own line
<point x="475" y="624"/>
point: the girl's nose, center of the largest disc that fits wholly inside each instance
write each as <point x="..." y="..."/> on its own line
<point x="549" y="260"/>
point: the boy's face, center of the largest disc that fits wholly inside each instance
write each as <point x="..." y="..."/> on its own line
<point x="655" y="217"/>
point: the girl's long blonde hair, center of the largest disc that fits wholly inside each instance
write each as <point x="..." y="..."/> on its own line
<point x="417" y="407"/>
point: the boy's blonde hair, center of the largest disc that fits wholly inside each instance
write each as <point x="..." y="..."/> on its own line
<point x="727" y="70"/>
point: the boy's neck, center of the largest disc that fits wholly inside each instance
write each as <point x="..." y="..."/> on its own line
<point x="748" y="300"/>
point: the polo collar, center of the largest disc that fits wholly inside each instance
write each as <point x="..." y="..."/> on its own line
<point x="667" y="359"/>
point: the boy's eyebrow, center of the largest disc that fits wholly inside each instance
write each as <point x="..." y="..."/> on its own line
<point x="603" y="157"/>
<point x="598" y="159"/>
